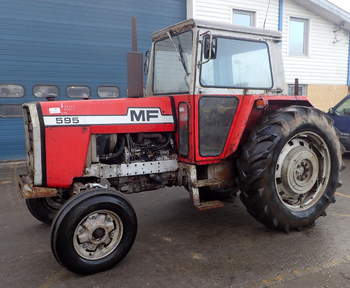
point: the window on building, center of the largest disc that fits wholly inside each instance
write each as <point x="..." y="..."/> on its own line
<point x="11" y="91"/>
<point x="243" y="18"/>
<point x="78" y="91"/>
<point x="108" y="91"/>
<point x="302" y="89"/>
<point x="298" y="36"/>
<point x="45" y="91"/>
<point x="10" y="110"/>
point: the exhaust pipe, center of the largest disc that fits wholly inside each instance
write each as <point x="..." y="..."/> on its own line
<point x="135" y="65"/>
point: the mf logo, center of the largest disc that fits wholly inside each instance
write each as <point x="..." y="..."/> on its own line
<point x="143" y="115"/>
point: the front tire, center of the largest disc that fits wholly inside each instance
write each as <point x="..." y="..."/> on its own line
<point x="289" y="168"/>
<point x="44" y="209"/>
<point x="93" y="231"/>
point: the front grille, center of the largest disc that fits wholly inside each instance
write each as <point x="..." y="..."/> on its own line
<point x="28" y="129"/>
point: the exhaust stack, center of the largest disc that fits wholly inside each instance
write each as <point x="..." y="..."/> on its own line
<point x="135" y="65"/>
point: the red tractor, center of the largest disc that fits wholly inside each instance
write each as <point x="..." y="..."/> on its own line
<point x="212" y="119"/>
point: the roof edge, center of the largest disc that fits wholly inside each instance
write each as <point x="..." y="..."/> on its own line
<point x="190" y="23"/>
<point x="328" y="11"/>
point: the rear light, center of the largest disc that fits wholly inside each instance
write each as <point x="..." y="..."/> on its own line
<point x="183" y="129"/>
<point x="260" y="103"/>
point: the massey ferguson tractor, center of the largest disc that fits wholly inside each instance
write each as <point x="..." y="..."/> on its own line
<point x="212" y="119"/>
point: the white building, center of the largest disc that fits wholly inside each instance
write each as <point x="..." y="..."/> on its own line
<point x="315" y="43"/>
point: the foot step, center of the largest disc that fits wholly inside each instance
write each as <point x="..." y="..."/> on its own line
<point x="210" y="205"/>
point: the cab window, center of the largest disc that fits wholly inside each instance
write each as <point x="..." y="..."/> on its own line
<point x="172" y="58"/>
<point x="238" y="64"/>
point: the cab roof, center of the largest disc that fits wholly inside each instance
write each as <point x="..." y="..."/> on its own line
<point x="192" y="23"/>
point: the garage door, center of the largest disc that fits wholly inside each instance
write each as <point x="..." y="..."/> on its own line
<point x="69" y="49"/>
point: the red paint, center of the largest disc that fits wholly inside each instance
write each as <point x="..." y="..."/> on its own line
<point x="105" y="107"/>
<point x="66" y="150"/>
<point x="66" y="147"/>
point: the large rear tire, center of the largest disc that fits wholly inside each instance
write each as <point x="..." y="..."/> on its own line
<point x="93" y="231"/>
<point x="289" y="168"/>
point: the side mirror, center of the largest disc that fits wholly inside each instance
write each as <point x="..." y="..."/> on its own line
<point x="331" y="110"/>
<point x="210" y="45"/>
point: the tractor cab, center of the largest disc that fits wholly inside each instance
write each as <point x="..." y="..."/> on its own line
<point x="207" y="68"/>
<point x="196" y="57"/>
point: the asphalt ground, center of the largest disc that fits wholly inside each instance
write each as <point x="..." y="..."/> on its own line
<point x="178" y="246"/>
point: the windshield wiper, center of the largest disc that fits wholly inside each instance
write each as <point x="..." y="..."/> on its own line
<point x="179" y="50"/>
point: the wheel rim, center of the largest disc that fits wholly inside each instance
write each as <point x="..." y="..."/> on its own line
<point x="302" y="171"/>
<point x="98" y="234"/>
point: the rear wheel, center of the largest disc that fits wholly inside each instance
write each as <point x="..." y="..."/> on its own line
<point x="44" y="209"/>
<point x="289" y="168"/>
<point x="93" y="231"/>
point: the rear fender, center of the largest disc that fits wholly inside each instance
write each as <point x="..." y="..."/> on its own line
<point x="272" y="103"/>
<point x="249" y="114"/>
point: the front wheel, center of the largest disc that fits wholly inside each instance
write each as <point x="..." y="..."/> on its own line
<point x="289" y="168"/>
<point x="93" y="231"/>
<point x="44" y="209"/>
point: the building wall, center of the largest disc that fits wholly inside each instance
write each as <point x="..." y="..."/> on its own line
<point x="325" y="68"/>
<point x="221" y="10"/>
<point x="326" y="62"/>
<point x="325" y="96"/>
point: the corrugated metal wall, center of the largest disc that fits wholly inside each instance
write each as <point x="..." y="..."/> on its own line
<point x="64" y="42"/>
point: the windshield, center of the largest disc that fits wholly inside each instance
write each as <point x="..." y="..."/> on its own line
<point x="238" y="64"/>
<point x="169" y="72"/>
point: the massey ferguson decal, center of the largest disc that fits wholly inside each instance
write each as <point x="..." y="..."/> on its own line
<point x="134" y="116"/>
<point x="143" y="114"/>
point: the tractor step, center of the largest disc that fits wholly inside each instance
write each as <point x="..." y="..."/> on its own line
<point x="206" y="183"/>
<point x="209" y="205"/>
